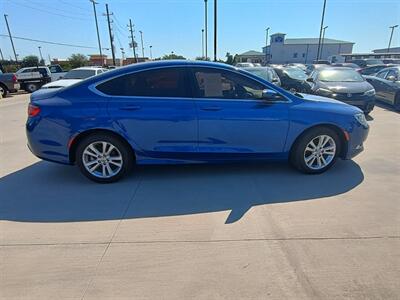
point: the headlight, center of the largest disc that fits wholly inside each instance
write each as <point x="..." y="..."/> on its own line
<point x="324" y="91"/>
<point x="360" y="117"/>
<point x="370" y="92"/>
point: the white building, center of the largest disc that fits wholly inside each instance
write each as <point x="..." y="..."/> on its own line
<point x="303" y="50"/>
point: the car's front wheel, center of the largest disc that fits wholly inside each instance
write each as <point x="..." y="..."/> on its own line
<point x="316" y="150"/>
<point x="104" y="158"/>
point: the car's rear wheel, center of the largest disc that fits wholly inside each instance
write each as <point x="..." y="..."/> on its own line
<point x="104" y="158"/>
<point x="31" y="87"/>
<point x="316" y="150"/>
<point x="3" y="91"/>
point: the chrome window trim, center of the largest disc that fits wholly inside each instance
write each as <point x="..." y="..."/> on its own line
<point x="92" y="87"/>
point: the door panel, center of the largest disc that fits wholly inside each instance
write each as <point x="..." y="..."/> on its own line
<point x="154" y="110"/>
<point x="233" y="118"/>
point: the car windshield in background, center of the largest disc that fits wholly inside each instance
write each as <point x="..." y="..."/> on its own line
<point x="374" y="62"/>
<point x="263" y="73"/>
<point x="296" y="73"/>
<point x="340" y="75"/>
<point x="79" y="74"/>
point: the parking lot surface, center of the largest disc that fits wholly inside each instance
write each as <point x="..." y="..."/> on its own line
<point x="247" y="231"/>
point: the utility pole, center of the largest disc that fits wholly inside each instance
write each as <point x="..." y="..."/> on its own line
<point x="202" y="43"/>
<point x="97" y="29"/>
<point x="1" y="54"/>
<point x="215" y="30"/>
<point x="391" y="36"/>
<point x="123" y="56"/>
<point x="266" y="45"/>
<point x="206" y="26"/>
<point x="323" y="39"/>
<point x="141" y="39"/>
<point x="320" y="31"/>
<point x="9" y="34"/>
<point x="111" y="36"/>
<point x="40" y="52"/>
<point x="49" y="59"/>
<point x="133" y="41"/>
<point x="151" y="54"/>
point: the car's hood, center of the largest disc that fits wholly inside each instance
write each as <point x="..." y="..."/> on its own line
<point x="346" y="87"/>
<point x="61" y="83"/>
<point x="329" y="104"/>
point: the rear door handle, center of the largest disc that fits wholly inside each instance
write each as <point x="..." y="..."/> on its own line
<point x="130" y="107"/>
<point x="211" y="108"/>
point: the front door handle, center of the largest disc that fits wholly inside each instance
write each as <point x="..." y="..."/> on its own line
<point x="211" y="108"/>
<point x="130" y="107"/>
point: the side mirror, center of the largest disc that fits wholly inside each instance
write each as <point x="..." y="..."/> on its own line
<point x="310" y="79"/>
<point x="392" y="78"/>
<point x="270" y="95"/>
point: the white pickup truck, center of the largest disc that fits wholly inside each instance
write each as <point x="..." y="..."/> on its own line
<point x="32" y="78"/>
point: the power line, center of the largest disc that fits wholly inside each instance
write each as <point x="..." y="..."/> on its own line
<point x="63" y="10"/>
<point x="48" y="42"/>
<point x="73" y="5"/>
<point x="48" y="12"/>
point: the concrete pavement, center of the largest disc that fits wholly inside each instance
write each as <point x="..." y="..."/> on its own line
<point x="205" y="232"/>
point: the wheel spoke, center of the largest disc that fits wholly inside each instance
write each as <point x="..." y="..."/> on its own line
<point x="111" y="148"/>
<point x="319" y="162"/>
<point x="115" y="163"/>
<point x="309" y="158"/>
<point x="329" y="152"/>
<point x="326" y="140"/>
<point x="91" y="147"/>
<point x="94" y="168"/>
<point x="323" y="161"/>
<point x="87" y="152"/>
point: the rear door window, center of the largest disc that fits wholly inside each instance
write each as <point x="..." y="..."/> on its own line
<point x="163" y="82"/>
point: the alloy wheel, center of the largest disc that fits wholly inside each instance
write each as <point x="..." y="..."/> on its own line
<point x="320" y="152"/>
<point x="102" y="159"/>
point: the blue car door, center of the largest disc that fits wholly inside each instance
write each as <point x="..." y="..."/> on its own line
<point x="233" y="117"/>
<point x="154" y="110"/>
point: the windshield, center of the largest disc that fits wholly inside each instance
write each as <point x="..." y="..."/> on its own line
<point x="296" y="73"/>
<point x="340" y="75"/>
<point x="263" y="73"/>
<point x="79" y="74"/>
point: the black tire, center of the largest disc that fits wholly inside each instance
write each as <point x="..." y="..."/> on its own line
<point x="31" y="87"/>
<point x="3" y="90"/>
<point x="297" y="153"/>
<point x="397" y="102"/>
<point x="124" y="149"/>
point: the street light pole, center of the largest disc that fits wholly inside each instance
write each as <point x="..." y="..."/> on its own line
<point x="215" y="30"/>
<point x="151" y="54"/>
<point x="40" y="52"/>
<point x="9" y="34"/>
<point x="391" y="36"/>
<point x="320" y="31"/>
<point x="133" y="41"/>
<point x="266" y="46"/>
<point x="206" y="27"/>
<point x="202" y="43"/>
<point x="323" y="39"/>
<point x="97" y="29"/>
<point x="141" y="39"/>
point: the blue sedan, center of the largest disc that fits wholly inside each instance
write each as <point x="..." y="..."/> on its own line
<point x="172" y="112"/>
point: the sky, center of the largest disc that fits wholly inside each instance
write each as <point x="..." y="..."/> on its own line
<point x="175" y="25"/>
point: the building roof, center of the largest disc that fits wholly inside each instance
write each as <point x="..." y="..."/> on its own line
<point x="252" y="53"/>
<point x="392" y="49"/>
<point x="310" y="41"/>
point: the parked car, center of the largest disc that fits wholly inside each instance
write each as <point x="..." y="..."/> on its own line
<point x="244" y="65"/>
<point x="8" y="83"/>
<point x="142" y="114"/>
<point x="321" y="62"/>
<point x="372" y="70"/>
<point x="394" y="61"/>
<point x="257" y="65"/>
<point x="347" y="65"/>
<point x="298" y="65"/>
<point x="367" y="62"/>
<point x="74" y="76"/>
<point x="32" y="78"/>
<point x="312" y="67"/>
<point x="344" y="84"/>
<point x="387" y="85"/>
<point x="56" y="72"/>
<point x="293" y="79"/>
<point x="266" y="73"/>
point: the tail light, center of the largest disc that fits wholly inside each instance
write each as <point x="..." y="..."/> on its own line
<point x="14" y="78"/>
<point x="33" y="110"/>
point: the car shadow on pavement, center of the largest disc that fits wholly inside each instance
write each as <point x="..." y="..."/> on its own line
<point x="386" y="106"/>
<point x="46" y="192"/>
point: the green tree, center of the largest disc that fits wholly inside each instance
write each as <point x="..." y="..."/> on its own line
<point x="172" y="56"/>
<point x="202" y="58"/>
<point x="229" y="58"/>
<point x="77" y="60"/>
<point x="30" y="61"/>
